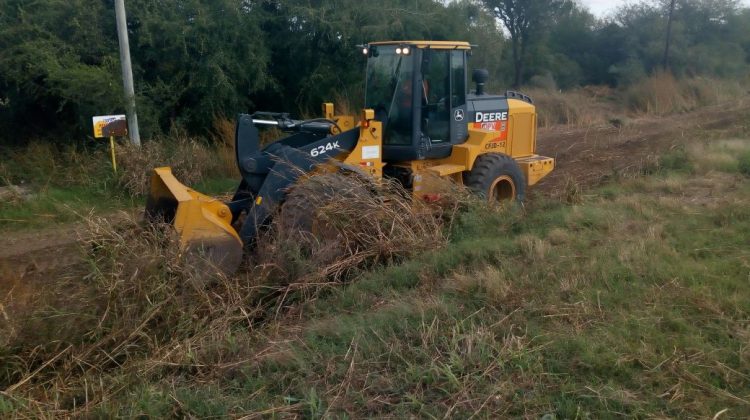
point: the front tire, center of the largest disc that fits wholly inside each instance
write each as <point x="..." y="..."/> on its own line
<point x="496" y="177"/>
<point x="309" y="218"/>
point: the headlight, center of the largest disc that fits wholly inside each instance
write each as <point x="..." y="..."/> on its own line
<point x="365" y="50"/>
<point x="398" y="50"/>
<point x="405" y="50"/>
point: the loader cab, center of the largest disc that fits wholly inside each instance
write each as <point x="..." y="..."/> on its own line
<point x="418" y="92"/>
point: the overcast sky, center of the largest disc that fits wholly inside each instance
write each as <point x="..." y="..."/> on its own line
<point x="604" y="7"/>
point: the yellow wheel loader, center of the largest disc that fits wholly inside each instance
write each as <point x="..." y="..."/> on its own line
<point x="420" y="122"/>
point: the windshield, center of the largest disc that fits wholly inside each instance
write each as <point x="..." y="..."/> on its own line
<point x="389" y="92"/>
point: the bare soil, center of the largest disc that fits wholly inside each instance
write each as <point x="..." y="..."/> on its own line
<point x="588" y="156"/>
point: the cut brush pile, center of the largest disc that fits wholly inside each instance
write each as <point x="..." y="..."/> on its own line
<point x="139" y="305"/>
<point x="332" y="225"/>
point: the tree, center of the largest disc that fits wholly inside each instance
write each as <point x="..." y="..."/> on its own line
<point x="526" y="22"/>
<point x="57" y="67"/>
<point x="195" y="60"/>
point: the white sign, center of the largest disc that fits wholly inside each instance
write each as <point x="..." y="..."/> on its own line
<point x="490" y="116"/>
<point x="370" y="152"/>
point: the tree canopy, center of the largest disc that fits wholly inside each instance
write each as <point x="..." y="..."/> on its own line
<point x="196" y="60"/>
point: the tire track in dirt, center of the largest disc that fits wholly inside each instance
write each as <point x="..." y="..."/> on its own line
<point x="587" y="156"/>
<point x="23" y="253"/>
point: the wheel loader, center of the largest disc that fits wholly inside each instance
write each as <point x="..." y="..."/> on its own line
<point x="420" y="123"/>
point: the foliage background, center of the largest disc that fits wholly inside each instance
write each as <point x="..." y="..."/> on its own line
<point x="197" y="60"/>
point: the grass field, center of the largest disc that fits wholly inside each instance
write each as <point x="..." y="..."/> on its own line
<point x="631" y="302"/>
<point x="628" y="298"/>
<point x="65" y="184"/>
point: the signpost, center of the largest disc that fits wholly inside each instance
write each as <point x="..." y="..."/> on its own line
<point x="111" y="126"/>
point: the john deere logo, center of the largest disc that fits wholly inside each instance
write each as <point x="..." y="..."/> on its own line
<point x="459" y="115"/>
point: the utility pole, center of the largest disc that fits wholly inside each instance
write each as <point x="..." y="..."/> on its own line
<point x="665" y="62"/>
<point x="127" y="72"/>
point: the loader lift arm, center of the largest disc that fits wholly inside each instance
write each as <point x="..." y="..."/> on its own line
<point x="267" y="174"/>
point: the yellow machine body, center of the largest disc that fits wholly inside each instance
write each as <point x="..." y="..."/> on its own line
<point x="203" y="223"/>
<point x="507" y="134"/>
<point x="517" y="140"/>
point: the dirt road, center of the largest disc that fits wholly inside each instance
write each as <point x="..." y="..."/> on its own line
<point x="586" y="156"/>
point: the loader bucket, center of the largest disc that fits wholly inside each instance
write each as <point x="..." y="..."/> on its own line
<point x="203" y="223"/>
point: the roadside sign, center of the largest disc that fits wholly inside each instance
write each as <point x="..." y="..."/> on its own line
<point x="110" y="126"/>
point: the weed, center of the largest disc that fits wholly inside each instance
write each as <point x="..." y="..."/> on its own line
<point x="573" y="192"/>
<point x="190" y="159"/>
<point x="662" y="93"/>
<point x="578" y="108"/>
<point x="629" y="301"/>
<point x="744" y="163"/>
<point x="224" y="142"/>
<point x="675" y="160"/>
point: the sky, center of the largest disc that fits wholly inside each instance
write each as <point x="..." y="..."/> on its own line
<point x="604" y="7"/>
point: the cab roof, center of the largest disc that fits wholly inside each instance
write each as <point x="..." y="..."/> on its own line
<point x="441" y="45"/>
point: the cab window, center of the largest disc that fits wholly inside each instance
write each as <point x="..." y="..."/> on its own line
<point x="436" y="98"/>
<point x="458" y="87"/>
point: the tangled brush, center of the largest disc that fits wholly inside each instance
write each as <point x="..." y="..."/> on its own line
<point x="333" y="225"/>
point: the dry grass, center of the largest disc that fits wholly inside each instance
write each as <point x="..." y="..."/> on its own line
<point x="660" y="94"/>
<point x="663" y="94"/>
<point x="333" y="225"/>
<point x="575" y="108"/>
<point x="224" y="142"/>
<point x="145" y="309"/>
<point x="140" y="302"/>
<point x="191" y="161"/>
<point x="49" y="164"/>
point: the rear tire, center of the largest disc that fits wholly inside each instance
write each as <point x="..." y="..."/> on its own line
<point x="496" y="177"/>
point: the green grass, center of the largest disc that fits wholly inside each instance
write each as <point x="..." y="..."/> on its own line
<point x="53" y="204"/>
<point x="217" y="186"/>
<point x="632" y="303"/>
<point x="743" y="164"/>
<point x="57" y="204"/>
<point x="67" y="184"/>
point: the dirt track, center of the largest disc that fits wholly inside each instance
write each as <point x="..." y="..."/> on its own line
<point x="587" y="156"/>
<point x="584" y="155"/>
